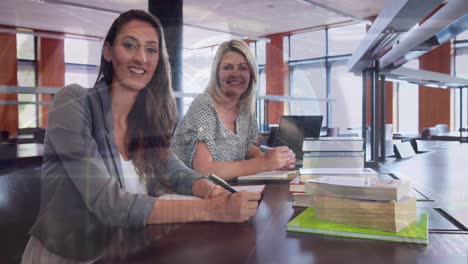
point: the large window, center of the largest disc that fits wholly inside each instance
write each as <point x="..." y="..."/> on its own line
<point x="318" y="71"/>
<point x="197" y="65"/>
<point x="197" y="70"/>
<point x="308" y="77"/>
<point x="82" y="51"/>
<point x="308" y="45"/>
<point x="406" y="114"/>
<point x="84" y="75"/>
<point x="345" y="40"/>
<point x="407" y="121"/>
<point x="81" y="61"/>
<point x="461" y="70"/>
<point x="26" y="54"/>
<point x="260" y="52"/>
<point x="346" y="92"/>
<point x="258" y="49"/>
<point x="308" y="81"/>
<point x="261" y="91"/>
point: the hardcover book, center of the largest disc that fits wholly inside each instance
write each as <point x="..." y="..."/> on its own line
<point x="306" y="222"/>
<point x="296" y="186"/>
<point x="358" y="188"/>
<point x="311" y="173"/>
<point x="279" y="175"/>
<point x="391" y="216"/>
<point x="333" y="144"/>
<point x="302" y="200"/>
<point x="333" y="159"/>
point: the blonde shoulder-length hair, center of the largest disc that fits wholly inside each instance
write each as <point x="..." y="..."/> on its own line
<point x="247" y="99"/>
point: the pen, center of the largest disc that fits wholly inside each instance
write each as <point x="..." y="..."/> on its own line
<point x="221" y="183"/>
<point x="264" y="148"/>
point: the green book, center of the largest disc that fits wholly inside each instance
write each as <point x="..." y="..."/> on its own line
<point x="306" y="223"/>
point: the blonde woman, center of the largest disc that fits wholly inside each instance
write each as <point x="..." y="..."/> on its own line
<point x="219" y="132"/>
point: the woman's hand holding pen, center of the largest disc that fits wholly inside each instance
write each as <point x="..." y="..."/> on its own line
<point x="234" y="207"/>
<point x="278" y="158"/>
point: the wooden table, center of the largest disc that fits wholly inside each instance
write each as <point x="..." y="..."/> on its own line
<point x="439" y="175"/>
<point x="265" y="240"/>
<point x="18" y="156"/>
<point x="451" y="136"/>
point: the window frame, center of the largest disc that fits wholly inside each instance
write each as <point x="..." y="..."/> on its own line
<point x="32" y="62"/>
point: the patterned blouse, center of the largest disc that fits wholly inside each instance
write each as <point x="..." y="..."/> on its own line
<point x="202" y="123"/>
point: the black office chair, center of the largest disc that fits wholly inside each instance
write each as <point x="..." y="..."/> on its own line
<point x="442" y="129"/>
<point x="4" y="136"/>
<point x="19" y="196"/>
<point x="39" y="135"/>
<point x="272" y="137"/>
<point x="428" y="132"/>
<point x="26" y="131"/>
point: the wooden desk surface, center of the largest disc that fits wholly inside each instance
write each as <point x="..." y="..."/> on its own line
<point x="265" y="240"/>
<point x="19" y="156"/>
<point x="439" y="174"/>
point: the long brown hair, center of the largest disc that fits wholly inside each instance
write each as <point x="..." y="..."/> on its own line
<point x="152" y="119"/>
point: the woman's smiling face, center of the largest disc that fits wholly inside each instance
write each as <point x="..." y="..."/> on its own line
<point x="134" y="55"/>
<point x="233" y="74"/>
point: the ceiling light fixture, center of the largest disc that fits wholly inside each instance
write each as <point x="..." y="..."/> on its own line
<point x="432" y="85"/>
<point x="385" y="42"/>
<point x="79" y="6"/>
<point x="425" y="78"/>
<point x="49" y="35"/>
<point x="116" y="12"/>
<point x="395" y="19"/>
<point x="266" y="40"/>
<point x="339" y="12"/>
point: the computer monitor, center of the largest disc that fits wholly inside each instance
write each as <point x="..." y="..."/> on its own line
<point x="293" y="129"/>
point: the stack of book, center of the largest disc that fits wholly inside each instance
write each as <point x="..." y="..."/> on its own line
<point x="279" y="175"/>
<point x="299" y="196"/>
<point x="361" y="207"/>
<point x="297" y="185"/>
<point x="358" y="188"/>
<point x="372" y="203"/>
<point x="306" y="222"/>
<point x="312" y="173"/>
<point x="333" y="152"/>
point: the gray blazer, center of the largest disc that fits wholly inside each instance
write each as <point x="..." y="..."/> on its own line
<point x="82" y="195"/>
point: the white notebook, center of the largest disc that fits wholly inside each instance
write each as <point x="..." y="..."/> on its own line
<point x="278" y="175"/>
<point x="248" y="188"/>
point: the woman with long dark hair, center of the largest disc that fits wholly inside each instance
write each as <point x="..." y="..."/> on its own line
<point x="107" y="156"/>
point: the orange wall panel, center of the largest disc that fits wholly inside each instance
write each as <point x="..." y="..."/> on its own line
<point x="50" y="70"/>
<point x="434" y="103"/>
<point x="389" y="102"/>
<point x="8" y="76"/>
<point x="277" y="72"/>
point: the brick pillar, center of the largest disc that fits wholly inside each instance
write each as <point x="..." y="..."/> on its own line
<point x="277" y="76"/>
<point x="434" y="103"/>
<point x="8" y="76"/>
<point x="50" y="71"/>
